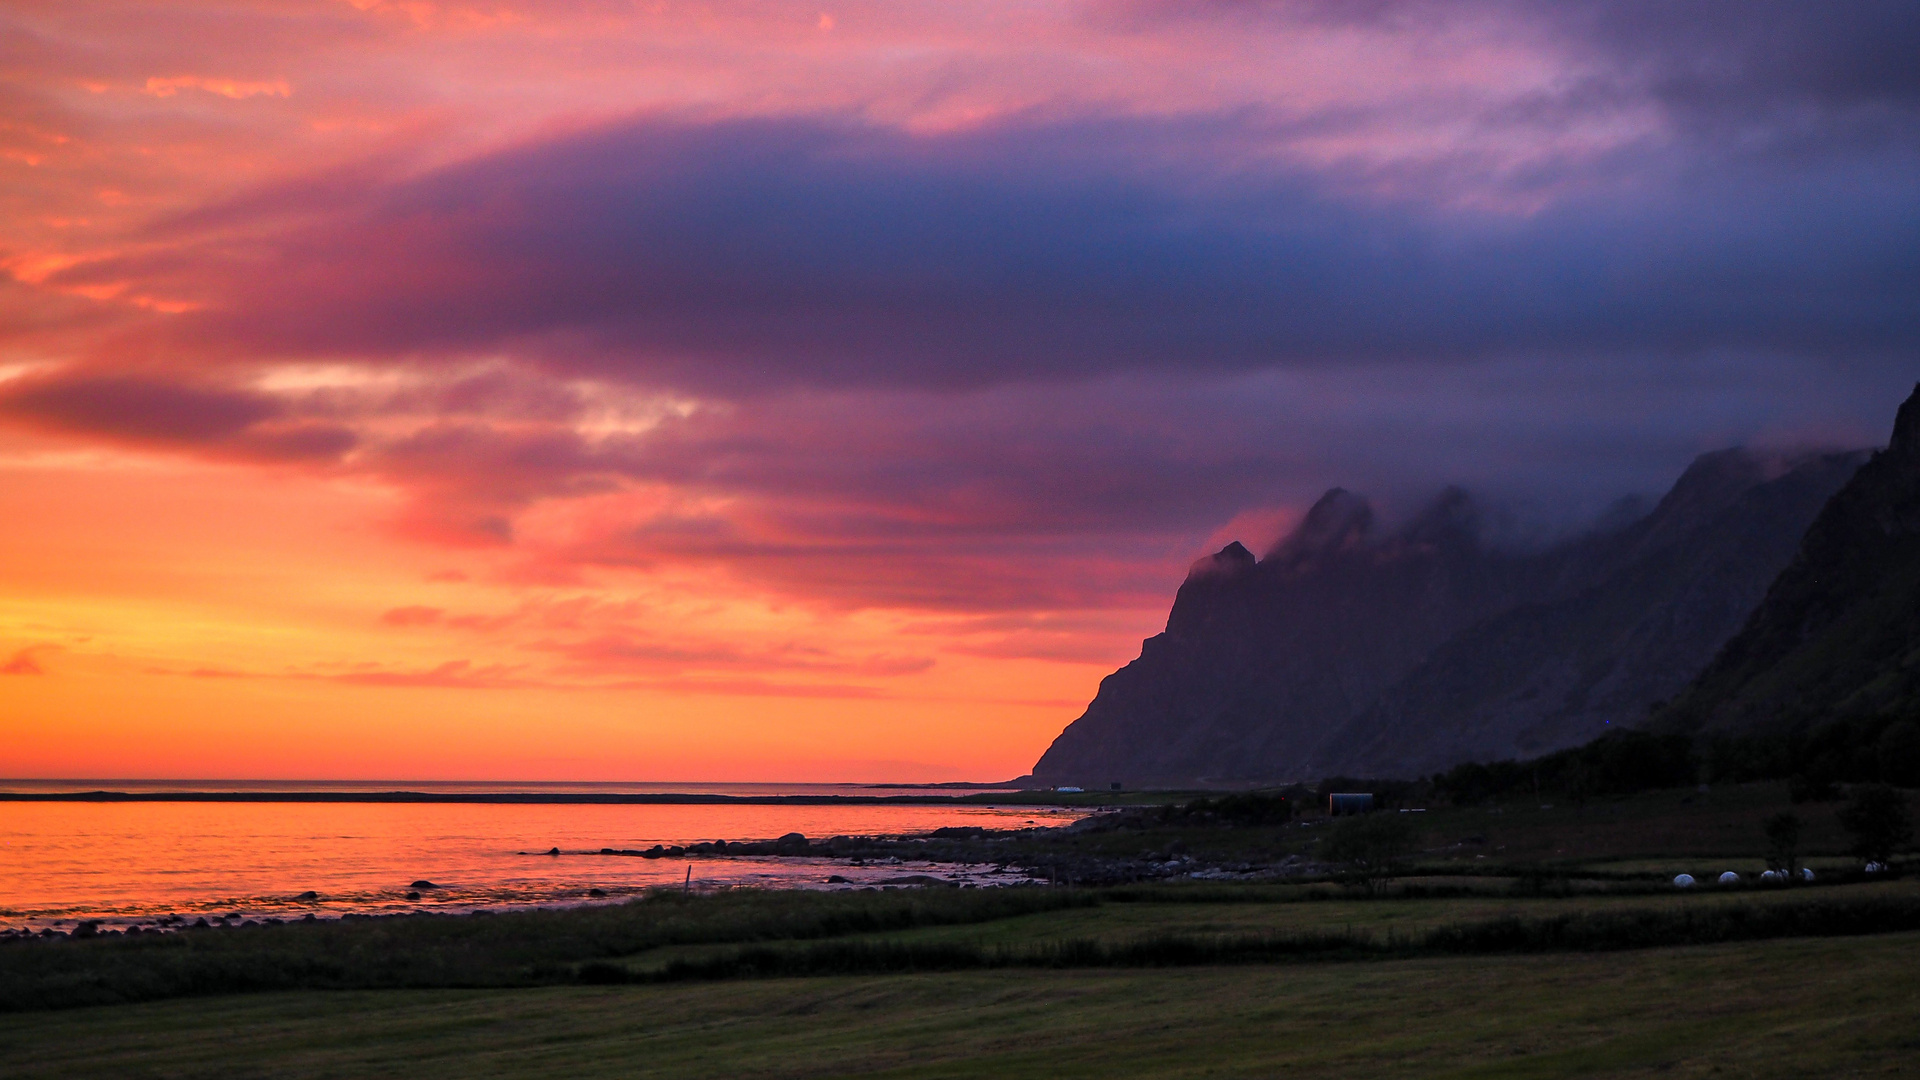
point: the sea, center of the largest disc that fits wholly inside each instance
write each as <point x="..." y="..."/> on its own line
<point x="163" y="857"/>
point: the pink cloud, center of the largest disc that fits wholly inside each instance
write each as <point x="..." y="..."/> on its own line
<point x="454" y="674"/>
<point x="617" y="652"/>
<point x="236" y="89"/>
<point x="412" y="615"/>
<point x="23" y="663"/>
<point x="749" y="687"/>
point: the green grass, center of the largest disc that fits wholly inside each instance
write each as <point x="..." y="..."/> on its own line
<point x="1845" y="1007"/>
<point x="1566" y="926"/>
<point x="512" y="949"/>
<point x="1124" y="921"/>
<point x="1129" y="916"/>
<point x="752" y="932"/>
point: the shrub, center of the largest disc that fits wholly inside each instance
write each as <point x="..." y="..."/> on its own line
<point x="1783" y="843"/>
<point x="1618" y="763"/>
<point x="1252" y="808"/>
<point x="1371" y="846"/>
<point x="1879" y="820"/>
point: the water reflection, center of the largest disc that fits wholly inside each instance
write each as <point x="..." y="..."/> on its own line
<point x="128" y="863"/>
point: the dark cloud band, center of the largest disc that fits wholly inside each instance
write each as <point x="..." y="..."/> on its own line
<point x="745" y="255"/>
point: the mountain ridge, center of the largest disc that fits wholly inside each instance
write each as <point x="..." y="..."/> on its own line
<point x="1553" y="674"/>
<point x="1277" y="668"/>
<point x="1838" y="632"/>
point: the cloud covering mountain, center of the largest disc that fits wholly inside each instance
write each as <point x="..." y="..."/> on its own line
<point x="1346" y="651"/>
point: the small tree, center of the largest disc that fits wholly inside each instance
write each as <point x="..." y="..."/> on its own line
<point x="1879" y="820"/>
<point x="1783" y="843"/>
<point x="1371" y="846"/>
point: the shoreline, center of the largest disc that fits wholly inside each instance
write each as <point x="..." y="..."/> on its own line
<point x="958" y="857"/>
<point x="1033" y="798"/>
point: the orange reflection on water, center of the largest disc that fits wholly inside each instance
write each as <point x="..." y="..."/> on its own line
<point x="130" y="862"/>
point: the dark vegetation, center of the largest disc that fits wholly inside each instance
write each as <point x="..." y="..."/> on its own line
<point x="1783" y="843"/>
<point x="1252" y="808"/>
<point x="1814" y="758"/>
<point x="1371" y="848"/>
<point x="507" y="949"/>
<point x="1587" y="931"/>
<point x="1614" y="764"/>
<point x="1880" y="821"/>
<point x="794" y="933"/>
<point x="1526" y="832"/>
<point x="1881" y="749"/>
<point x="1766" y="1010"/>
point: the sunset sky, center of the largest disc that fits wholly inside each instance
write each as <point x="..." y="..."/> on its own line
<point x="618" y="389"/>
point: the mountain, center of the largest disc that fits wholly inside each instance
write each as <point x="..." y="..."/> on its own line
<point x="1556" y="673"/>
<point x="1838" y="633"/>
<point x="1348" y="649"/>
<point x="1261" y="659"/>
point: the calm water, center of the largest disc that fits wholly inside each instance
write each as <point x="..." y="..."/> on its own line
<point x="132" y="862"/>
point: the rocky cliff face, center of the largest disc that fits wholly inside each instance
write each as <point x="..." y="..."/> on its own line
<point x="1838" y="633"/>
<point x="1561" y="671"/>
<point x="1346" y="649"/>
<point x="1261" y="660"/>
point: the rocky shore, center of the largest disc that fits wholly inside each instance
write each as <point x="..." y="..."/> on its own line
<point x="1041" y="853"/>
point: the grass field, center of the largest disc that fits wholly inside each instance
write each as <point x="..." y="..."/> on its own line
<point x="1302" y="910"/>
<point x="1847" y="1007"/>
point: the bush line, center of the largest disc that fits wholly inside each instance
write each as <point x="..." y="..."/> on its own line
<point x="587" y="945"/>
<point x="1584" y="932"/>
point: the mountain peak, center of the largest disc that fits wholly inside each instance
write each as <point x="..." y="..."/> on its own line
<point x="1906" y="427"/>
<point x="1227" y="562"/>
<point x="1338" y="521"/>
<point x="1452" y="515"/>
<point x="1712" y="482"/>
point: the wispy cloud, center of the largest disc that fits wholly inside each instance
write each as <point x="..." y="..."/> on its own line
<point x="22" y="662"/>
<point x="237" y="89"/>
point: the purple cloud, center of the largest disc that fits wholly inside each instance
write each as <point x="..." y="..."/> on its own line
<point x="157" y="410"/>
<point x="744" y="257"/>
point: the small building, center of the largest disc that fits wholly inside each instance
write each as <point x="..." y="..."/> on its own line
<point x="1339" y="804"/>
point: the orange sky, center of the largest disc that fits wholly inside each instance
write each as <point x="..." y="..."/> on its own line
<point x="688" y="389"/>
<point x="178" y="618"/>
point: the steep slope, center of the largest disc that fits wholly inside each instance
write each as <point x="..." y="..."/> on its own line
<point x="1545" y="676"/>
<point x="1343" y="650"/>
<point x="1838" y="633"/>
<point x="1261" y="660"/>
